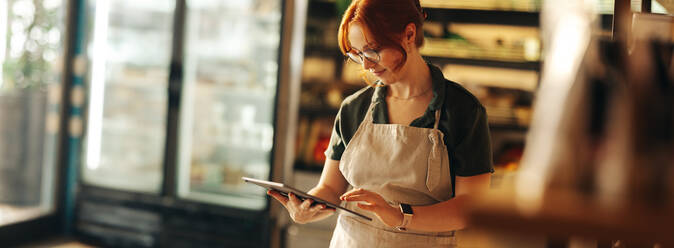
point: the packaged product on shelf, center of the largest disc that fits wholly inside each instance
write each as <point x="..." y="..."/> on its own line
<point x="334" y="98"/>
<point x="302" y="135"/>
<point x="492" y="76"/>
<point x="434" y="29"/>
<point x="317" y="141"/>
<point x="513" y="5"/>
<point x="486" y="41"/>
<point x="318" y="69"/>
<point x="352" y="73"/>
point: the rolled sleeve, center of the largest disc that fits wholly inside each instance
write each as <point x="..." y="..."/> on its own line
<point x="337" y="145"/>
<point x="473" y="154"/>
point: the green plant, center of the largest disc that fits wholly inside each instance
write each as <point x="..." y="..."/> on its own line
<point x="33" y="43"/>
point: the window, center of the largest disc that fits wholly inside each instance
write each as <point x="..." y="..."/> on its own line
<point x="30" y="54"/>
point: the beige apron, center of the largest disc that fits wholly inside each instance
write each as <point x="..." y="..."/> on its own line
<point x="404" y="165"/>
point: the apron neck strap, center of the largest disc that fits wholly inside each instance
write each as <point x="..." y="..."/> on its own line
<point x="375" y="97"/>
<point x="369" y="119"/>
<point x="437" y="119"/>
<point x="368" y="116"/>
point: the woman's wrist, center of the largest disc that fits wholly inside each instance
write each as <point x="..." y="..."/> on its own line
<point x="398" y="217"/>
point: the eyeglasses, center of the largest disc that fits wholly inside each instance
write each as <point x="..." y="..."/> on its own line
<point x="359" y="57"/>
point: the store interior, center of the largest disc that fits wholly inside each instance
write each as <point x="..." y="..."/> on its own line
<point x="130" y="123"/>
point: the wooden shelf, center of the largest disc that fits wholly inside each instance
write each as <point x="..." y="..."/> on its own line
<point x="323" y="9"/>
<point x="318" y="111"/>
<point x="523" y="65"/>
<point x="314" y="168"/>
<point x="316" y="50"/>
<point x="502" y="17"/>
<point x="566" y="214"/>
<point x="526" y="6"/>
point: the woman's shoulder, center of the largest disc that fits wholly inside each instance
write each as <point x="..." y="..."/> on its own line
<point x="358" y="100"/>
<point x="458" y="96"/>
<point x="353" y="111"/>
<point x="454" y="95"/>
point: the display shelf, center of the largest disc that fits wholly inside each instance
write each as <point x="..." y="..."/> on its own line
<point x="313" y="168"/>
<point x="566" y="213"/>
<point x="462" y="48"/>
<point x="525" y="65"/>
<point x="513" y="5"/>
<point x="323" y="51"/>
<point x="323" y="9"/>
<point x="492" y="77"/>
<point x="318" y="111"/>
<point x="511" y="48"/>
<point x="503" y="17"/>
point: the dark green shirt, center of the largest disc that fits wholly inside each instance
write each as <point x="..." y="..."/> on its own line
<point x="463" y="121"/>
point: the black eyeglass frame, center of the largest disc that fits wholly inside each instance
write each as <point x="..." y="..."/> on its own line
<point x="370" y="54"/>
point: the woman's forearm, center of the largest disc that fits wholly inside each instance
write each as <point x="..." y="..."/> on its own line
<point x="444" y="216"/>
<point x="451" y="214"/>
<point x="332" y="184"/>
<point x="326" y="193"/>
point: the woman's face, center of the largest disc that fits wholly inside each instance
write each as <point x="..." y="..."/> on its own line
<point x="361" y="40"/>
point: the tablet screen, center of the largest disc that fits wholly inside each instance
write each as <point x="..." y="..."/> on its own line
<point x="284" y="190"/>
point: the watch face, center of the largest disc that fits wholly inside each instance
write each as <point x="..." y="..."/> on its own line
<point x="406" y="209"/>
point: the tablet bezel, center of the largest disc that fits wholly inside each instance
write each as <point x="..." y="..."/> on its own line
<point x="302" y="195"/>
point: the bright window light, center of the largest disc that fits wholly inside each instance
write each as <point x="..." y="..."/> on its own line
<point x="3" y="39"/>
<point x="97" y="85"/>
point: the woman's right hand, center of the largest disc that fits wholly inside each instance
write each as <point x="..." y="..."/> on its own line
<point x="301" y="211"/>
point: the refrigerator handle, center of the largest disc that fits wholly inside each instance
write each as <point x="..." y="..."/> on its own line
<point x="175" y="86"/>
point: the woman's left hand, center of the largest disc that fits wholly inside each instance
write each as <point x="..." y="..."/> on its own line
<point x="376" y="204"/>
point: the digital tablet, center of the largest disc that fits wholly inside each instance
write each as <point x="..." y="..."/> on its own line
<point x="284" y="190"/>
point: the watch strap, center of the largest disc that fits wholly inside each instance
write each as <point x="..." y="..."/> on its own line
<point x="406" y="210"/>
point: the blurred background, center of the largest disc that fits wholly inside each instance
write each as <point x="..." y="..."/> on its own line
<point x="130" y="123"/>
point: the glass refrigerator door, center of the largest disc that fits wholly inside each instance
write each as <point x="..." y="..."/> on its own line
<point x="130" y="50"/>
<point x="229" y="93"/>
<point x="31" y="54"/>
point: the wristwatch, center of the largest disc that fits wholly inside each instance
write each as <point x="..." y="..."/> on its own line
<point x="406" y="210"/>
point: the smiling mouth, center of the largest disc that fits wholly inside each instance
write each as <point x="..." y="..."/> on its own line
<point x="378" y="72"/>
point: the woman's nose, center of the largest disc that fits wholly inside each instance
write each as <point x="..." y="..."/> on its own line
<point x="367" y="64"/>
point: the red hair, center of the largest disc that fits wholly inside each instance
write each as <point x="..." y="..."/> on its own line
<point x="385" y="20"/>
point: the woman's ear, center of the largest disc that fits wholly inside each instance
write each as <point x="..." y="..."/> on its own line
<point x="410" y="33"/>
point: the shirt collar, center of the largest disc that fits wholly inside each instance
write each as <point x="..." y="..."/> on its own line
<point x="439" y="89"/>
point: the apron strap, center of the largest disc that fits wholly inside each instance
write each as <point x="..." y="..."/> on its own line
<point x="437" y="119"/>
<point x="368" y="115"/>
<point x="369" y="119"/>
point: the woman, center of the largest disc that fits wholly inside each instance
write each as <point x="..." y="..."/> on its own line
<point x="414" y="147"/>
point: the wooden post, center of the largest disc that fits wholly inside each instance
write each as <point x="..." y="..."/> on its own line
<point x="622" y="20"/>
